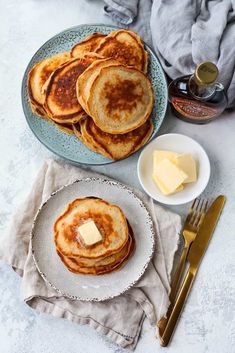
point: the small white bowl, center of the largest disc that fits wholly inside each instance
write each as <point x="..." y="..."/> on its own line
<point x="181" y="144"/>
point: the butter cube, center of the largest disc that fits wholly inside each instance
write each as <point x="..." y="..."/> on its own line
<point x="168" y="176"/>
<point x="160" y="185"/>
<point x="159" y="156"/>
<point x="89" y="233"/>
<point x="187" y="164"/>
<point x="163" y="188"/>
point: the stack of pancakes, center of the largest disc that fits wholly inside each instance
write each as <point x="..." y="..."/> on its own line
<point x="106" y="256"/>
<point x="98" y="91"/>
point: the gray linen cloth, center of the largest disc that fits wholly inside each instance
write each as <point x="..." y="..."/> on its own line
<point x="184" y="33"/>
<point x="121" y="318"/>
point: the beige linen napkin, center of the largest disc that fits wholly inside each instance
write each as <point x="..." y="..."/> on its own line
<point x="120" y="318"/>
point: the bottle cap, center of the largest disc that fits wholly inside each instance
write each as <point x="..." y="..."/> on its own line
<point x="206" y="73"/>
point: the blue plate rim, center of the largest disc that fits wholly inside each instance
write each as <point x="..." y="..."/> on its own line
<point x="24" y="79"/>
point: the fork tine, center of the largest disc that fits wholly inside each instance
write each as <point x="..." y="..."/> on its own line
<point x="198" y="214"/>
<point x="193" y="205"/>
<point x="190" y="211"/>
<point x="202" y="213"/>
<point x="195" y="212"/>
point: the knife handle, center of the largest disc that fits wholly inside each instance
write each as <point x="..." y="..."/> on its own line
<point x="184" y="292"/>
<point x="174" y="290"/>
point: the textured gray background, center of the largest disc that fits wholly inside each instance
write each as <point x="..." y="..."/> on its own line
<point x="207" y="324"/>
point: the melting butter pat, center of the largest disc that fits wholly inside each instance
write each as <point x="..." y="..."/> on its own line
<point x="89" y="233"/>
<point x="169" y="177"/>
<point x="187" y="164"/>
<point x="159" y="156"/>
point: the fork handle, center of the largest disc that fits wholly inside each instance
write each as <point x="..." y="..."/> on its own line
<point x="178" y="274"/>
<point x="184" y="292"/>
<point x="174" y="289"/>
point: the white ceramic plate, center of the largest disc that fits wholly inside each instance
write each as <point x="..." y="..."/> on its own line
<point x="89" y="287"/>
<point x="181" y="144"/>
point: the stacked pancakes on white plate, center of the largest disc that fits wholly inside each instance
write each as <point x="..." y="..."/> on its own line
<point x="107" y="255"/>
<point x="98" y="91"/>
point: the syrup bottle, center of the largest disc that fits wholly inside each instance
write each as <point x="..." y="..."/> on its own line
<point x="198" y="98"/>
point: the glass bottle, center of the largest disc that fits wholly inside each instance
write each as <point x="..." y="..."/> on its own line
<point x="198" y="98"/>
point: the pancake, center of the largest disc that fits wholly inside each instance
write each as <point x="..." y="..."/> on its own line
<point x="111" y="259"/>
<point x="120" y="99"/>
<point x="38" y="110"/>
<point x="67" y="128"/>
<point x="37" y="77"/>
<point x="89" y="44"/>
<point x="106" y="261"/>
<point x="126" y="47"/>
<point x="109" y="219"/>
<point x="86" y="79"/>
<point x="114" y="146"/>
<point x="85" y="138"/>
<point x="73" y="266"/>
<point x="61" y="102"/>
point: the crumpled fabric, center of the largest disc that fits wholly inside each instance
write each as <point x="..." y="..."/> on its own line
<point x="184" y="33"/>
<point x="121" y="318"/>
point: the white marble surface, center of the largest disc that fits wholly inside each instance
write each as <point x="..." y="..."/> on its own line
<point x="207" y="324"/>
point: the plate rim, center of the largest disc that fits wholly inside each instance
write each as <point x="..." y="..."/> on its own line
<point x="170" y="202"/>
<point x="71" y="160"/>
<point x="152" y="238"/>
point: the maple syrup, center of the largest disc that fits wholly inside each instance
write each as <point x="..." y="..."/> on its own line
<point x="198" y="98"/>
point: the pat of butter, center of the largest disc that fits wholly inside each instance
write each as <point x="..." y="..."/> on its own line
<point x="89" y="233"/>
<point x="159" y="156"/>
<point x="163" y="188"/>
<point x="187" y="164"/>
<point x="168" y="176"/>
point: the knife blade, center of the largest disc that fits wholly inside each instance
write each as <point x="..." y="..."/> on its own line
<point x="196" y="252"/>
<point x="199" y="246"/>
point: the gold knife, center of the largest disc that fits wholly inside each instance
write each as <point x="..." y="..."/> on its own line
<point x="195" y="255"/>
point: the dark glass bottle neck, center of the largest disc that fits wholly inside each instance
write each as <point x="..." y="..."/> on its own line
<point x="203" y="92"/>
<point x="199" y="91"/>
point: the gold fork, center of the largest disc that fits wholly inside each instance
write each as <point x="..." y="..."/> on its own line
<point x="191" y="226"/>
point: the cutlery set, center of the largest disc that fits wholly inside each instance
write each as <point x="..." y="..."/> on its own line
<point x="197" y="232"/>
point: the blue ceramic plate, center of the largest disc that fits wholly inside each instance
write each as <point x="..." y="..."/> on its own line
<point x="62" y="144"/>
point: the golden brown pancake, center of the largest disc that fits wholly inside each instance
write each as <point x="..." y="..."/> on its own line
<point x="85" y="139"/>
<point x="109" y="219"/>
<point x="86" y="79"/>
<point x="105" y="261"/>
<point x="114" y="146"/>
<point x="67" y="128"/>
<point x="89" y="44"/>
<point x="37" y="77"/>
<point x="97" y="269"/>
<point x="126" y="47"/>
<point x="61" y="102"/>
<point x="38" y="110"/>
<point x="121" y="99"/>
